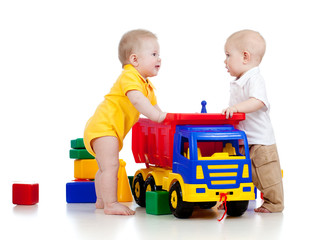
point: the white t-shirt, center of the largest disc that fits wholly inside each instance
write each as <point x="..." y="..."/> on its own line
<point x="257" y="125"/>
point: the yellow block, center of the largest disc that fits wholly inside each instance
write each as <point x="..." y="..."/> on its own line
<point x="85" y="168"/>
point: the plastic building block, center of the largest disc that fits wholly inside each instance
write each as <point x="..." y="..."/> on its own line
<point x="157" y="202"/>
<point x="123" y="187"/>
<point x="82" y="180"/>
<point x="25" y="194"/>
<point x="80" y="154"/>
<point x="77" y="143"/>
<point x="85" y="168"/>
<point x="81" y="192"/>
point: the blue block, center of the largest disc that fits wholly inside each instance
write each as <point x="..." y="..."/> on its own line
<point x="80" y="192"/>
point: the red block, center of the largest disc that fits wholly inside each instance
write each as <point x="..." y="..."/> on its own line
<point x="25" y="194"/>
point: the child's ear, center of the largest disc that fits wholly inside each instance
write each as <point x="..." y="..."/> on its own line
<point x="246" y="57"/>
<point x="134" y="60"/>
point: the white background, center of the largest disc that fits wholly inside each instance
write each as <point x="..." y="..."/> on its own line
<point x="59" y="58"/>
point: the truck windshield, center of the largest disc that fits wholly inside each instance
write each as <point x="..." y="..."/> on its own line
<point x="216" y="149"/>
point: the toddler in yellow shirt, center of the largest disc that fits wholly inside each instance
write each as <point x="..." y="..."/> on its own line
<point x="131" y="94"/>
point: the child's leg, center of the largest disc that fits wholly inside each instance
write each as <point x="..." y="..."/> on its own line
<point x="100" y="202"/>
<point x="266" y="175"/>
<point x="107" y="149"/>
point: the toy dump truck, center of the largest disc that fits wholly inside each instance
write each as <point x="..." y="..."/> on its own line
<point x="196" y="158"/>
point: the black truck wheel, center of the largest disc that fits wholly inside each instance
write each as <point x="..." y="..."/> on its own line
<point x="150" y="184"/>
<point x="179" y="208"/>
<point x="236" y="208"/>
<point x="138" y="190"/>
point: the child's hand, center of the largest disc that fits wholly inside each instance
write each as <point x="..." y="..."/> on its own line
<point x="229" y="111"/>
<point x="162" y="116"/>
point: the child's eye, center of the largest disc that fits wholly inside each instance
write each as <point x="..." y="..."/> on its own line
<point x="154" y="54"/>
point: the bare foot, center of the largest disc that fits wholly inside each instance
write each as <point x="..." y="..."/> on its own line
<point x="118" y="209"/>
<point x="262" y="210"/>
<point x="221" y="206"/>
<point x="100" y="204"/>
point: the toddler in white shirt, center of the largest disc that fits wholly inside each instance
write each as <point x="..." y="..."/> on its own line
<point x="244" y="52"/>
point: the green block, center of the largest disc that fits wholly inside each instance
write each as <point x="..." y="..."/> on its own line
<point x="77" y="143"/>
<point x="157" y="202"/>
<point x="80" y="154"/>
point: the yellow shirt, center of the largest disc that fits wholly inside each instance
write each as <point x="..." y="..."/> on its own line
<point x="116" y="115"/>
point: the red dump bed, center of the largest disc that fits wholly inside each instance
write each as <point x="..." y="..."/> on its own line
<point x="152" y="143"/>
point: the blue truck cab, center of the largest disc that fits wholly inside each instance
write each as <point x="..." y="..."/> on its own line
<point x="208" y="160"/>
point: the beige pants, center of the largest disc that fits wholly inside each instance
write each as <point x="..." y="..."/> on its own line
<point x="266" y="175"/>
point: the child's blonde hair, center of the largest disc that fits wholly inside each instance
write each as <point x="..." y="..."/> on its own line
<point x="251" y="41"/>
<point x="131" y="41"/>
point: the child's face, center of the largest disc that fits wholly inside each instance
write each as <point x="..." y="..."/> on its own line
<point x="234" y="59"/>
<point x="148" y="58"/>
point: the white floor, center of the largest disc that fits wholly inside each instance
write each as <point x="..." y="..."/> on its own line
<point x="52" y="218"/>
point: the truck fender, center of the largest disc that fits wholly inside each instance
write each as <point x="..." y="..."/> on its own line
<point x="174" y="177"/>
<point x="158" y="179"/>
<point x="159" y="174"/>
<point x="144" y="172"/>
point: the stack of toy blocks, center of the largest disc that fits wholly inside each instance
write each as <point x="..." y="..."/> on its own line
<point x="82" y="189"/>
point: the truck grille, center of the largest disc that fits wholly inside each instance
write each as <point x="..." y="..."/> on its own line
<point x="223" y="176"/>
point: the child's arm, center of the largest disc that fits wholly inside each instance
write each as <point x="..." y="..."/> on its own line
<point x="143" y="105"/>
<point x="248" y="106"/>
<point x="158" y="108"/>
